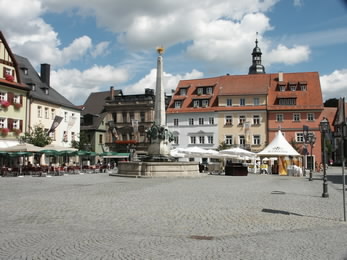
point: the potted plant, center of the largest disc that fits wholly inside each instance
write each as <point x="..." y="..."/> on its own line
<point x="17" y="131"/>
<point x="9" y="77"/>
<point x="4" y="103"/>
<point x="4" y="131"/>
<point x="17" y="105"/>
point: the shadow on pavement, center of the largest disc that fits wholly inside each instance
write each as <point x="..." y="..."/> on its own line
<point x="283" y="212"/>
<point x="337" y="179"/>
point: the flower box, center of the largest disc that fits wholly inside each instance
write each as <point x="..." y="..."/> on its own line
<point x="17" y="131"/>
<point x="4" y="131"/>
<point x="17" y="105"/>
<point x="9" y="77"/>
<point x="4" y="103"/>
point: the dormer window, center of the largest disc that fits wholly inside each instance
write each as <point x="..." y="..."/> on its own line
<point x="204" y="103"/>
<point x="282" y="88"/>
<point x="209" y="90"/>
<point x="196" y="103"/>
<point x="303" y="86"/>
<point x="25" y="70"/>
<point x="200" y="91"/>
<point x="292" y="86"/>
<point x="178" y="104"/>
<point x="183" y="92"/>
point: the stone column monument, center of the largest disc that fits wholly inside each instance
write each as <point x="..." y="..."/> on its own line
<point x="158" y="162"/>
<point x="159" y="135"/>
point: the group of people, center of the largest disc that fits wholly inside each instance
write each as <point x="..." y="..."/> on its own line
<point x="319" y="167"/>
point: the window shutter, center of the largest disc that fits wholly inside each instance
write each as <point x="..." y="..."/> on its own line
<point x="21" y="99"/>
<point x="10" y="124"/>
<point x="3" y="72"/>
<point x="10" y="97"/>
<point x="21" y="125"/>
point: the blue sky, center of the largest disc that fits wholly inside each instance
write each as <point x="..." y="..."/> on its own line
<point x="92" y="45"/>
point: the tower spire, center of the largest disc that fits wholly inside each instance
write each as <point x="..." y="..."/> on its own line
<point x="256" y="67"/>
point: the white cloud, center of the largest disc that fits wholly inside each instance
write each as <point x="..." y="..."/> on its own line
<point x="100" y="49"/>
<point x="334" y="85"/>
<point x="170" y="81"/>
<point x="76" y="85"/>
<point x="285" y="55"/>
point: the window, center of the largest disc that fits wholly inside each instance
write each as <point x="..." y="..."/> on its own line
<point x="296" y="117"/>
<point x="256" y="101"/>
<point x="211" y="120"/>
<point x="242" y="102"/>
<point x="3" y="122"/>
<point x="183" y="91"/>
<point x="299" y="137"/>
<point x="242" y="140"/>
<point x="100" y="139"/>
<point x="256" y="139"/>
<point x="242" y="119"/>
<point x="73" y="136"/>
<point x="178" y="104"/>
<point x="200" y="91"/>
<point x="201" y="139"/>
<point x="142" y="117"/>
<point x="39" y="111"/>
<point x="191" y="121"/>
<point x="196" y="103"/>
<point x="204" y="103"/>
<point x="65" y="116"/>
<point x="228" y="120"/>
<point x="46" y="112"/>
<point x="16" y="124"/>
<point x="209" y="90"/>
<point x="256" y="120"/>
<point x="132" y="116"/>
<point x="282" y="88"/>
<point x="201" y="121"/>
<point x="229" y="102"/>
<point x="193" y="140"/>
<point x="210" y="139"/>
<point x="3" y="96"/>
<point x="310" y="116"/>
<point x="52" y="113"/>
<point x="124" y="114"/>
<point x="279" y="117"/>
<point x="16" y="99"/>
<point x="303" y="86"/>
<point x="287" y="101"/>
<point x="175" y="139"/>
<point x="65" y="136"/>
<point x="229" y="139"/>
<point x="292" y="87"/>
<point x="175" y="121"/>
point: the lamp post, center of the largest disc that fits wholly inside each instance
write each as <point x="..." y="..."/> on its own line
<point x="324" y="128"/>
<point x="312" y="140"/>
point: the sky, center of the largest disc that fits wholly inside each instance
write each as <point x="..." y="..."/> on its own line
<point x="92" y="45"/>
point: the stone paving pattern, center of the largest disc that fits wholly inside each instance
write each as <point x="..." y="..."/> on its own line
<point x="96" y="216"/>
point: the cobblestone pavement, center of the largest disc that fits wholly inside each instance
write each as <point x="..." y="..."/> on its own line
<point x="96" y="216"/>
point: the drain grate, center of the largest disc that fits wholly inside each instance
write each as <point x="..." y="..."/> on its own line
<point x="201" y="237"/>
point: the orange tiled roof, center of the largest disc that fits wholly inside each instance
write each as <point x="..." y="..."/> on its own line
<point x="254" y="84"/>
<point x="309" y="99"/>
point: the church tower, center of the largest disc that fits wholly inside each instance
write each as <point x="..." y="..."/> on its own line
<point x="257" y="67"/>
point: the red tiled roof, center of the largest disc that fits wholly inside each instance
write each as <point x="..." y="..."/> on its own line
<point x="255" y="84"/>
<point x="311" y="98"/>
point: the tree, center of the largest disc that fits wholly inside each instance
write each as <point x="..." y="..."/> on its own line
<point x="223" y="146"/>
<point x="37" y="135"/>
<point x="83" y="143"/>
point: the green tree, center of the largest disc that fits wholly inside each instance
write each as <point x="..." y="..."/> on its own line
<point x="83" y="143"/>
<point x="37" y="135"/>
<point x="223" y="146"/>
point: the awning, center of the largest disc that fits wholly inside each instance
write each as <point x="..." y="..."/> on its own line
<point x="117" y="156"/>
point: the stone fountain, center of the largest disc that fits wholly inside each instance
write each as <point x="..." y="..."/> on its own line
<point x="158" y="162"/>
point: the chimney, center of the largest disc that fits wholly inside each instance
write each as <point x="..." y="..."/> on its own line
<point x="280" y="76"/>
<point x="112" y="92"/>
<point x="45" y="73"/>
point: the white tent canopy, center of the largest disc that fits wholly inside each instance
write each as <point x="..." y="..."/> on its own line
<point x="279" y="146"/>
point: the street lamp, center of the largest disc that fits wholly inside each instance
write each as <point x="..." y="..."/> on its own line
<point x="311" y="140"/>
<point x="324" y="129"/>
